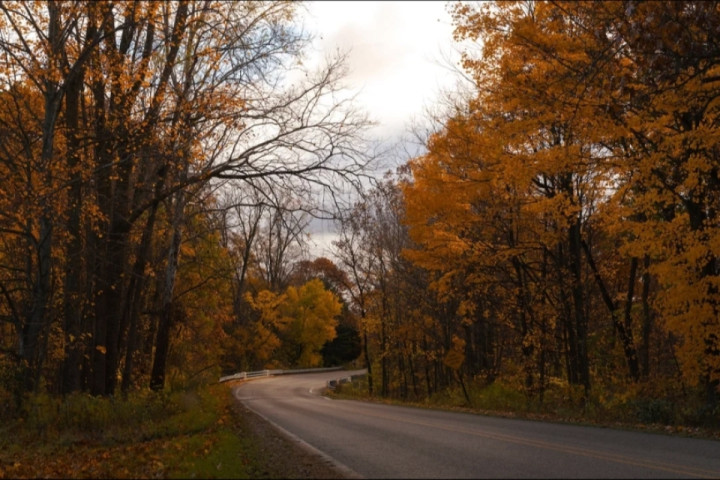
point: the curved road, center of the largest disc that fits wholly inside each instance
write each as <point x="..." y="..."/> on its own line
<point x="384" y="441"/>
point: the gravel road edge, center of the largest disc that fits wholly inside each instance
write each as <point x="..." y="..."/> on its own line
<point x="284" y="454"/>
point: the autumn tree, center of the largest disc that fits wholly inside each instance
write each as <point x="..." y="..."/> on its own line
<point x="280" y="242"/>
<point x="469" y="242"/>
<point x="290" y="328"/>
<point x="578" y="177"/>
<point x="358" y="265"/>
<point x="346" y="346"/>
<point x="667" y="105"/>
<point x="311" y="311"/>
<point x="137" y="108"/>
<point x="258" y="337"/>
<point x="386" y="292"/>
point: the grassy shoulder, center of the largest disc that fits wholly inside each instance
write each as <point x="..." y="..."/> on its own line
<point x="629" y="410"/>
<point x="191" y="434"/>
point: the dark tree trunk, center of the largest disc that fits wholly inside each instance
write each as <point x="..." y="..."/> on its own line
<point x="135" y="291"/>
<point x="162" y="340"/>
<point x="37" y="318"/>
<point x="623" y="328"/>
<point x="647" y="320"/>
<point x="583" y="365"/>
<point x="75" y="266"/>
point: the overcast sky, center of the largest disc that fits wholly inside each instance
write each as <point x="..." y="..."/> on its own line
<point x="396" y="52"/>
<point x="398" y="61"/>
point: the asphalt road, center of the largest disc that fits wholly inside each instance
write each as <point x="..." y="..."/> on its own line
<point x="383" y="441"/>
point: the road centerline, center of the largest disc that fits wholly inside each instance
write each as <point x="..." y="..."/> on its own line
<point x="660" y="466"/>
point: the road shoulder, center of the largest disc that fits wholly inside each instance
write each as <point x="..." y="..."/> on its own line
<point x="282" y="456"/>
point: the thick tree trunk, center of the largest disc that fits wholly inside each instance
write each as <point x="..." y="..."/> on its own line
<point x="109" y="307"/>
<point x="626" y="335"/>
<point x="40" y="275"/>
<point x="368" y="363"/>
<point x="575" y="254"/>
<point x="37" y="316"/>
<point x="569" y="336"/>
<point x="428" y="379"/>
<point x="137" y="285"/>
<point x="162" y="340"/>
<point x="647" y="320"/>
<point x="75" y="265"/>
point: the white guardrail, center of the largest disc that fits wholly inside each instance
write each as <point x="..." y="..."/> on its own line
<point x="267" y="373"/>
<point x="331" y="384"/>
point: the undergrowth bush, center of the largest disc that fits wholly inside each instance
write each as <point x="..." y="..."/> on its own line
<point x="11" y="391"/>
<point x="142" y="415"/>
<point x="653" y="410"/>
<point x="192" y="433"/>
<point x="647" y="403"/>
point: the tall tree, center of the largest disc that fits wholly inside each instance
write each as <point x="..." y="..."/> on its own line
<point x="145" y="104"/>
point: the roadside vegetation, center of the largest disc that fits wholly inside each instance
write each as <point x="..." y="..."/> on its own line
<point x="633" y="409"/>
<point x="194" y="433"/>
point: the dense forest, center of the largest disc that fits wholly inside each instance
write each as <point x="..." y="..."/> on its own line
<point x="161" y="162"/>
<point x="561" y="232"/>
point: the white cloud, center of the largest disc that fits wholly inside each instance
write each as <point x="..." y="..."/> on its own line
<point x="320" y="244"/>
<point x="396" y="51"/>
<point x="396" y="61"/>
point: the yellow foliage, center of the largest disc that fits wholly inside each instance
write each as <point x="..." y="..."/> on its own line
<point x="311" y="312"/>
<point x="591" y="123"/>
<point x="290" y="329"/>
